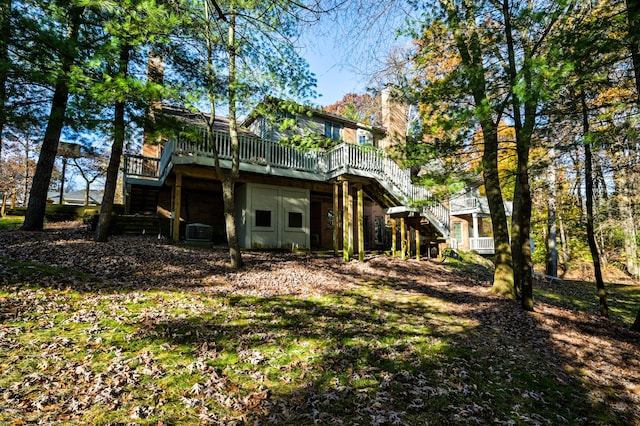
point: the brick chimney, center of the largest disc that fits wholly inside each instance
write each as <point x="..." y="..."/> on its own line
<point x="394" y="120"/>
<point x="155" y="74"/>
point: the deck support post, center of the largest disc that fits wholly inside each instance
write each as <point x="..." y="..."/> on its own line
<point x="360" y="220"/>
<point x="394" y="238"/>
<point x="177" y="206"/>
<point x="336" y="207"/>
<point x="345" y="220"/>
<point x="475" y="225"/>
<point x="4" y="203"/>
<point x="403" y="239"/>
<point x="351" y="225"/>
<point x="418" y="244"/>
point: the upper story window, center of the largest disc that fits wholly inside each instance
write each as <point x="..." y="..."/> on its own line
<point x="332" y="130"/>
<point x="364" y="137"/>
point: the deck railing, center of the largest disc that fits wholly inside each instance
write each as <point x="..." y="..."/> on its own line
<point x="342" y="159"/>
<point x="252" y="150"/>
<point x="482" y="244"/>
<point x="464" y="203"/>
<point x="140" y="166"/>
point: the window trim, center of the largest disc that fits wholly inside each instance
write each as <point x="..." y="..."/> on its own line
<point x="271" y="226"/>
<point x="330" y="130"/>
<point x="453" y="231"/>
<point x="294" y="228"/>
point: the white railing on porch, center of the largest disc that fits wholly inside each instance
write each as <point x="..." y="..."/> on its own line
<point x="482" y="244"/>
<point x="342" y="159"/>
<point x="464" y="203"/>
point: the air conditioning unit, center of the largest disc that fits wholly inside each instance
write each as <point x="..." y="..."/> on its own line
<point x="198" y="232"/>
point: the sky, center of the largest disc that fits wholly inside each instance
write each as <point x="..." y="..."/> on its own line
<point x="334" y="75"/>
<point x="343" y="54"/>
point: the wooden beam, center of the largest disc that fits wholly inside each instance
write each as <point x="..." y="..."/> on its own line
<point x="394" y="242"/>
<point x="403" y="239"/>
<point x="418" y="244"/>
<point x="345" y="220"/>
<point x="127" y="199"/>
<point x="177" y="206"/>
<point x="4" y="204"/>
<point x="336" y="207"/>
<point x="360" y="216"/>
<point x="198" y="174"/>
<point x="351" y="223"/>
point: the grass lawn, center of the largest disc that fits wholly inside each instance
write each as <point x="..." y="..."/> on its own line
<point x="9" y="222"/>
<point x="76" y="348"/>
<point x="623" y="299"/>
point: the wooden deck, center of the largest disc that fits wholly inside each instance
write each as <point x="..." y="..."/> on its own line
<point x="260" y="156"/>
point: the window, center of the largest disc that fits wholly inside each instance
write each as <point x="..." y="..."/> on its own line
<point x="295" y="220"/>
<point x="457" y="231"/>
<point x="263" y="218"/>
<point x="332" y="219"/>
<point x="362" y="140"/>
<point x="332" y="130"/>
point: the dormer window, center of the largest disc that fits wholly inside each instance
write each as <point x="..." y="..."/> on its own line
<point x="332" y="130"/>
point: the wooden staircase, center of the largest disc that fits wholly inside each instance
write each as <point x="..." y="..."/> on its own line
<point x="143" y="200"/>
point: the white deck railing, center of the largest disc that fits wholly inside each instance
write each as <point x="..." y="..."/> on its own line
<point x="464" y="203"/>
<point x="342" y="159"/>
<point x="482" y="244"/>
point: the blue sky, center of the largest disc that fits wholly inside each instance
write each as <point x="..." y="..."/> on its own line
<point x="344" y="49"/>
<point x="335" y="77"/>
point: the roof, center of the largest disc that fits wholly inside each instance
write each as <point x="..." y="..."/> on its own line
<point x="317" y="112"/>
<point x="199" y="119"/>
<point x="76" y="197"/>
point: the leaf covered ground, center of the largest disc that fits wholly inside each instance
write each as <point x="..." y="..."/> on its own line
<point x="137" y="331"/>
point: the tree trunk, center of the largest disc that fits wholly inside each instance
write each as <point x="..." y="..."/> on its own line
<point x="228" y="193"/>
<point x="564" y="241"/>
<point x="62" y="177"/>
<point x="630" y="238"/>
<point x="229" y="183"/>
<point x="34" y="218"/>
<point x="633" y="38"/>
<point x="106" y="210"/>
<point x="5" y="36"/>
<point x="470" y="48"/>
<point x="588" y="178"/>
<point x="636" y="323"/>
<point x="524" y="119"/>
<point x="503" y="276"/>
<point x="552" y="244"/>
<point x="525" y="264"/>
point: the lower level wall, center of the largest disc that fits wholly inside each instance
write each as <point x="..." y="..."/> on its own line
<point x="271" y="216"/>
<point x="315" y="210"/>
<point x="323" y="219"/>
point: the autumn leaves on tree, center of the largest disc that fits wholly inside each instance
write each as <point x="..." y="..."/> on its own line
<point x="531" y="68"/>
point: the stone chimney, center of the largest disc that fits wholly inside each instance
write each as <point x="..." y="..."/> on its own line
<point x="394" y="120"/>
